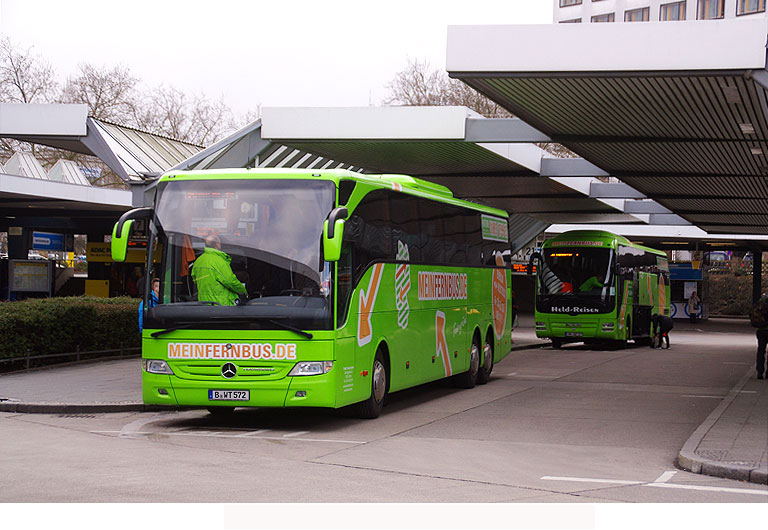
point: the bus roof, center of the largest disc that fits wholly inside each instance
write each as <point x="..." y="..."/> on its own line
<point x="403" y="183"/>
<point x="588" y="237"/>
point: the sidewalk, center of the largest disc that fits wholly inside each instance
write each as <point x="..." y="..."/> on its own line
<point x="732" y="442"/>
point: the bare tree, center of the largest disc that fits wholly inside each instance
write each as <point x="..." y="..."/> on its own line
<point x="419" y="85"/>
<point x="110" y="93"/>
<point x="24" y="78"/>
<point x="198" y="120"/>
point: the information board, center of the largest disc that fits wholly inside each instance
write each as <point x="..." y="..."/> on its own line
<point x="33" y="276"/>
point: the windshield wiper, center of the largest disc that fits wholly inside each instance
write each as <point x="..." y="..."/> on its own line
<point x="233" y="321"/>
<point x="168" y="330"/>
<point x="288" y="327"/>
<point x="201" y="302"/>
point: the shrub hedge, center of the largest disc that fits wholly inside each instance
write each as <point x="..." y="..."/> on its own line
<point x="61" y="325"/>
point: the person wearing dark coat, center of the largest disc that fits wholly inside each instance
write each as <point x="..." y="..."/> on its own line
<point x="661" y="326"/>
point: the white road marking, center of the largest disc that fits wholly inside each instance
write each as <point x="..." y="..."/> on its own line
<point x="701" y="396"/>
<point x="513" y="373"/>
<point x="747" y="391"/>
<point x="709" y="488"/>
<point x="597" y="480"/>
<point x="253" y="436"/>
<point x="660" y="482"/>
<point x="665" y="477"/>
<point x="292" y="434"/>
<point x="738" y="364"/>
<point x="250" y="433"/>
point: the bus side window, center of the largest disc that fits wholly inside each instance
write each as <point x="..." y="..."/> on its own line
<point x="344" y="281"/>
<point x="405" y="224"/>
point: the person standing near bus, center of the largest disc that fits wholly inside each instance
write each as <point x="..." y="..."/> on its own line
<point x="759" y="318"/>
<point x="213" y="275"/>
<point x="154" y="299"/>
<point x="662" y="325"/>
<point x="693" y="306"/>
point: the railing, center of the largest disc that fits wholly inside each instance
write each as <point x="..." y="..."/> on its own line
<point x="78" y="355"/>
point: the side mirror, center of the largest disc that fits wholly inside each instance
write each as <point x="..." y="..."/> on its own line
<point x="122" y="230"/>
<point x="535" y="256"/>
<point x="333" y="232"/>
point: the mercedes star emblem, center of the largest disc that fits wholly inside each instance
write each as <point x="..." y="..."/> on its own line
<point x="228" y="370"/>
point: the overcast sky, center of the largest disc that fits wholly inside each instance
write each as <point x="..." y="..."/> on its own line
<point x="273" y="53"/>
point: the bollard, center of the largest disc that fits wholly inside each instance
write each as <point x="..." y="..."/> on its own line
<point x="29" y="352"/>
<point x="78" y="353"/>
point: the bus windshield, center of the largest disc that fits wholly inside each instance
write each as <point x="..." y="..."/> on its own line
<point x="580" y="275"/>
<point x="243" y="253"/>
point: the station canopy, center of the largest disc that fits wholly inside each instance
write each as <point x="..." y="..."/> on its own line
<point x="676" y="111"/>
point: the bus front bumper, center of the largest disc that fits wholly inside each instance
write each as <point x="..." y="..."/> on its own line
<point x="569" y="330"/>
<point x="299" y="391"/>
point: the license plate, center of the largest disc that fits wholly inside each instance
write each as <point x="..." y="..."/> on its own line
<point x="573" y="334"/>
<point x="229" y="395"/>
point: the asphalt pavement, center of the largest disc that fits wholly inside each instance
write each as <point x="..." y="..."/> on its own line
<point x="731" y="443"/>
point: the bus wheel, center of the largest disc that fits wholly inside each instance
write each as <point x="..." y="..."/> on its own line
<point x="556" y="343"/>
<point x="221" y="412"/>
<point x="484" y="373"/>
<point x="469" y="378"/>
<point x="371" y="407"/>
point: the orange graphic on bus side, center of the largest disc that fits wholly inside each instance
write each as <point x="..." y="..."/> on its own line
<point x="367" y="301"/>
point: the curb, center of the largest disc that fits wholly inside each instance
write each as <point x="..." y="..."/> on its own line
<point x="79" y="408"/>
<point x="688" y="460"/>
<point x="531" y="346"/>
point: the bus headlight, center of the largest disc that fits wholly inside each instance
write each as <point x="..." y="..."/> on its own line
<point x="154" y="366"/>
<point x="607" y="327"/>
<point x="312" y="368"/>
<point x="541" y="326"/>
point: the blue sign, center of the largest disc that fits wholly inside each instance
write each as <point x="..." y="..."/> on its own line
<point x="685" y="272"/>
<point x="47" y="241"/>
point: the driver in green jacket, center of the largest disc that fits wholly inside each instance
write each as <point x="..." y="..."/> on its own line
<point x="213" y="275"/>
<point x="591" y="283"/>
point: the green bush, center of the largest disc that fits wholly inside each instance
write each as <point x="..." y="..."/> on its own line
<point x="730" y="294"/>
<point x="62" y="325"/>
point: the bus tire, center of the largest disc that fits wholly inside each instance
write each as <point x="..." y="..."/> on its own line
<point x="556" y="343"/>
<point x="371" y="407"/>
<point x="468" y="379"/>
<point x="484" y="373"/>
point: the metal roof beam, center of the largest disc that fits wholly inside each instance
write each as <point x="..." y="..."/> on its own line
<point x="252" y="128"/>
<point x="643" y="207"/>
<point x="570" y="167"/>
<point x="502" y="130"/>
<point x="613" y="190"/>
<point x="760" y="77"/>
<point x="669" y="219"/>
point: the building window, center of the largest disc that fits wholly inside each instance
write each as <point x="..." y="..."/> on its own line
<point x="747" y="7"/>
<point x="571" y="21"/>
<point x="566" y="3"/>
<point x="608" y="17"/>
<point x="674" y="11"/>
<point x="710" y="9"/>
<point x="637" y="15"/>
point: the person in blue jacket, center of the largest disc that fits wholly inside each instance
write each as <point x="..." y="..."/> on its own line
<point x="154" y="299"/>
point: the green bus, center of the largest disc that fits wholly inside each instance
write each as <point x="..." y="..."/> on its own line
<point x="348" y="287"/>
<point x="595" y="286"/>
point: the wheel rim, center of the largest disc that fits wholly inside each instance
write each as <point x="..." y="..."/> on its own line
<point x="487" y="357"/>
<point x="379" y="381"/>
<point x="474" y="359"/>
